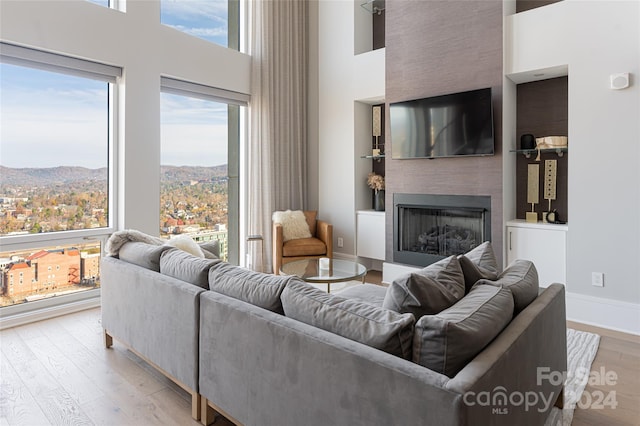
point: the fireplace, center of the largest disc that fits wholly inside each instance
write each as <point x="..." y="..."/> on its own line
<point x="427" y="228"/>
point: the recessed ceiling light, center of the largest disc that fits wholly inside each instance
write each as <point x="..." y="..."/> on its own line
<point x="540" y="74"/>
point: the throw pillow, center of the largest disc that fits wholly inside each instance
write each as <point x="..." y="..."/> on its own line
<point x="446" y="342"/>
<point x="211" y="249"/>
<point x="142" y="254"/>
<point x="294" y="224"/>
<point x="478" y="263"/>
<point x="427" y="291"/>
<point x="259" y="289"/>
<point x="376" y="327"/>
<point x="186" y="267"/>
<point x="521" y="277"/>
<point x="186" y="243"/>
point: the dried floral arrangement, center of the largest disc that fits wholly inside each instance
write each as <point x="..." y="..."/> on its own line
<point x="375" y="181"/>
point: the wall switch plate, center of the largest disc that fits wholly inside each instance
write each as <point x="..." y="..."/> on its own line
<point x="597" y="279"/>
<point x="340" y="242"/>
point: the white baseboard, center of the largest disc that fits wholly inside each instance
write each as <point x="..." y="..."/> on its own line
<point x="605" y="313"/>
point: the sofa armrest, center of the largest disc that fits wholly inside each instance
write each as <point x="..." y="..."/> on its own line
<point x="516" y="363"/>
<point x="155" y="315"/>
<point x="324" y="232"/>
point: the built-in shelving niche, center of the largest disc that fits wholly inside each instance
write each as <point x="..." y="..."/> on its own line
<point x="542" y="110"/>
<point x="369" y="24"/>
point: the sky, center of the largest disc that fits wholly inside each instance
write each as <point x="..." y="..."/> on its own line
<point x="42" y="111"/>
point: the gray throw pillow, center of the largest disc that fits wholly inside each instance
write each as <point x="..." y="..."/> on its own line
<point x="211" y="249"/>
<point x="142" y="254"/>
<point x="521" y="277"/>
<point x="478" y="263"/>
<point x="446" y="342"/>
<point x="376" y="327"/>
<point x="179" y="264"/>
<point x="259" y="289"/>
<point x="427" y="291"/>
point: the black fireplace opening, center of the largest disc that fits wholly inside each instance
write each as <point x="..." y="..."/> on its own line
<point x="428" y="227"/>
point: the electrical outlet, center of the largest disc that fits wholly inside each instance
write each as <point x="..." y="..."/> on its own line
<point x="597" y="279"/>
<point x="340" y="242"/>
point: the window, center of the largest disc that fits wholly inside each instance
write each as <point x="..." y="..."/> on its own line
<point x="199" y="162"/>
<point x="104" y="3"/>
<point x="57" y="168"/>
<point x="216" y="21"/>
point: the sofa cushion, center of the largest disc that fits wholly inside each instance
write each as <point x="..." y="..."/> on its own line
<point x="447" y="341"/>
<point x="521" y="277"/>
<point x="478" y="263"/>
<point x="376" y="327"/>
<point x="366" y="293"/>
<point x="294" y="224"/>
<point x="427" y="291"/>
<point x="304" y="247"/>
<point x="142" y="254"/>
<point x="259" y="289"/>
<point x="184" y="266"/>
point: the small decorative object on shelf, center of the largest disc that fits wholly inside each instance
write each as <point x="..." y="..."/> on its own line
<point x="533" y="191"/>
<point x="551" y="142"/>
<point x="550" y="177"/>
<point x="377" y="111"/>
<point x="376" y="182"/>
<point x="527" y="141"/>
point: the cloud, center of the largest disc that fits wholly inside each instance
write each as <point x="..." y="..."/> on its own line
<point x="206" y="19"/>
<point x="206" y="33"/>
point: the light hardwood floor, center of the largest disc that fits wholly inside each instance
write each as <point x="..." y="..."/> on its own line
<point x="58" y="372"/>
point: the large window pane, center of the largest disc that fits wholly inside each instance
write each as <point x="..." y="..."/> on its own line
<point x="54" y="152"/>
<point x="55" y="185"/>
<point x="194" y="185"/>
<point x="206" y="19"/>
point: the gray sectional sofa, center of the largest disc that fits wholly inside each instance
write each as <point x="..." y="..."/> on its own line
<point x="272" y="350"/>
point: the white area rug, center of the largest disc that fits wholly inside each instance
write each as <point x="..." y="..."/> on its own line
<point x="581" y="350"/>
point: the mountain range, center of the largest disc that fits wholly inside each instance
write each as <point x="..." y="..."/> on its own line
<point x="70" y="174"/>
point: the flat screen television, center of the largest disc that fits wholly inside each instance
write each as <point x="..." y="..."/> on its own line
<point x="450" y="125"/>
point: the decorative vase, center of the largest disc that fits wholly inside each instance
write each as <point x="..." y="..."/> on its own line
<point x="378" y="200"/>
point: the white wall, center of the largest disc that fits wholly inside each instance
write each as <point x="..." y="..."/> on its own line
<point x="136" y="41"/>
<point x="346" y="83"/>
<point x="594" y="39"/>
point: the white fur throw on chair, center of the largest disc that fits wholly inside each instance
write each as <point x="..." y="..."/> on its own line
<point x="294" y="224"/>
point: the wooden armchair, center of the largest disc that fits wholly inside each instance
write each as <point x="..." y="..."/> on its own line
<point x="320" y="244"/>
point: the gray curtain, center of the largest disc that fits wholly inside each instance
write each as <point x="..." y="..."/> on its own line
<point x="276" y="158"/>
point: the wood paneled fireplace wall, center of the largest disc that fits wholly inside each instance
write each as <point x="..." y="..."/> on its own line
<point x="435" y="48"/>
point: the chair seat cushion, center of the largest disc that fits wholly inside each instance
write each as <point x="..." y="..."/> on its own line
<point x="304" y="247"/>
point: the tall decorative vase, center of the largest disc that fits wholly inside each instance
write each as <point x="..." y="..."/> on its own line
<point x="378" y="200"/>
